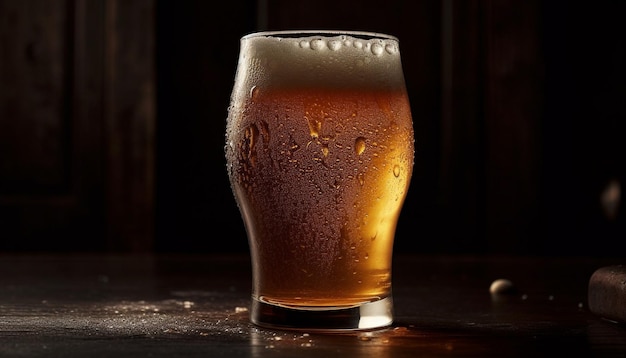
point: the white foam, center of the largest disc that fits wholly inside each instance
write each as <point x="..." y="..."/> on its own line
<point x="308" y="58"/>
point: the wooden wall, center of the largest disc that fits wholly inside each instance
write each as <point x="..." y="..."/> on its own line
<point x="77" y="125"/>
<point x="112" y="117"/>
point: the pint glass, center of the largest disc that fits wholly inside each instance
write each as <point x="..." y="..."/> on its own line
<point x="319" y="153"/>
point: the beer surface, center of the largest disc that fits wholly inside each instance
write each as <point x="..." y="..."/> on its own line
<point x="320" y="168"/>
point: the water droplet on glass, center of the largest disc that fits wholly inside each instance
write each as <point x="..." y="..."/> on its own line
<point x="359" y="145"/>
<point x="396" y="170"/>
<point x="361" y="178"/>
<point x="265" y="131"/>
<point x="325" y="150"/>
<point x="315" y="126"/>
<point x="249" y="141"/>
<point x="254" y="91"/>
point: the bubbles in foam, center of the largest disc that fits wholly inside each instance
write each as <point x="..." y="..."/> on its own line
<point x="308" y="58"/>
<point x="377" y="49"/>
<point x="318" y="44"/>
<point x="334" y="45"/>
<point x="391" y="49"/>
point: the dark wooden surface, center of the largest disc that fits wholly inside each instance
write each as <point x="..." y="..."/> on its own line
<point x="196" y="305"/>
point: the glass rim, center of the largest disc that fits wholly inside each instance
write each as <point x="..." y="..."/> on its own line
<point x="364" y="35"/>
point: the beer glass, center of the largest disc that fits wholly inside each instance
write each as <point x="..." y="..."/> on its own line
<point x="319" y="153"/>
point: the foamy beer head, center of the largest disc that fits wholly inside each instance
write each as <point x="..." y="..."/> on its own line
<point x="319" y="149"/>
<point x="327" y="59"/>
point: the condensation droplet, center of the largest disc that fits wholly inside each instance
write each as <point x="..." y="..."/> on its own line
<point x="265" y="131"/>
<point x="361" y="178"/>
<point x="359" y="145"/>
<point x="250" y="137"/>
<point x="396" y="170"/>
<point x="314" y="127"/>
<point x="325" y="150"/>
<point x="305" y="44"/>
<point x="254" y="91"/>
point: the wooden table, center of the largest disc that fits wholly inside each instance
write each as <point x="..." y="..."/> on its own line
<point x="93" y="305"/>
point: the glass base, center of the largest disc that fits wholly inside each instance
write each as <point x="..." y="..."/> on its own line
<point x="369" y="315"/>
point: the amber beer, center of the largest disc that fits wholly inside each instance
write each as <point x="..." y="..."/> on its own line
<point x="319" y="149"/>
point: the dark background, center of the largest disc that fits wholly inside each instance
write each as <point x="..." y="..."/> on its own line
<point x="112" y="118"/>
